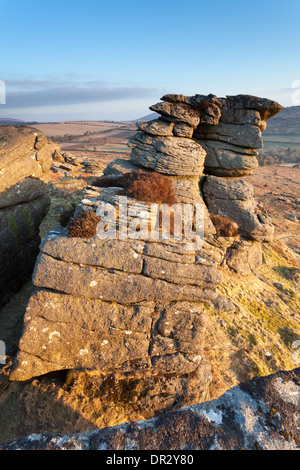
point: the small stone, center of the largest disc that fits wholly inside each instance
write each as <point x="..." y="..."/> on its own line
<point x="222" y="304"/>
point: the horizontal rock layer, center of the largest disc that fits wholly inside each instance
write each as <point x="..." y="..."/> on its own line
<point x="240" y="135"/>
<point x="76" y="333"/>
<point x="224" y="160"/>
<point x="116" y="286"/>
<point x="229" y="129"/>
<point x="167" y="155"/>
<point x="186" y="188"/>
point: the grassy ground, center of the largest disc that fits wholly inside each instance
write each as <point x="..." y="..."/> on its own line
<point x="257" y="338"/>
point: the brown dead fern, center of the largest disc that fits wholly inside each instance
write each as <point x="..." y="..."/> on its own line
<point x="144" y="186"/>
<point x="224" y="226"/>
<point x="84" y="225"/>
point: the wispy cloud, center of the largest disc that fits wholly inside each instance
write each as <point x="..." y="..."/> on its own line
<point x="42" y="93"/>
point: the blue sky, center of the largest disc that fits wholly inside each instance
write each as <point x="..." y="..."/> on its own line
<point x="72" y="60"/>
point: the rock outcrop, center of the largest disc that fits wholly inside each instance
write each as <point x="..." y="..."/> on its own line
<point x="68" y="164"/>
<point x="132" y="309"/>
<point x="262" y="414"/>
<point x="229" y="131"/>
<point x="25" y="159"/>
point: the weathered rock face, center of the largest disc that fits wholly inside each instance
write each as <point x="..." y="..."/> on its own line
<point x="24" y="152"/>
<point x="233" y="198"/>
<point x="25" y="159"/>
<point x="179" y="158"/>
<point x="244" y="256"/>
<point x="259" y="415"/>
<point x="124" y="310"/>
<point x="168" y="155"/>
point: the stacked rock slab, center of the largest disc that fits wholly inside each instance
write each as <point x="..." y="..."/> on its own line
<point x="229" y="130"/>
<point x="25" y="159"/>
<point x="165" y="145"/>
<point x="93" y="168"/>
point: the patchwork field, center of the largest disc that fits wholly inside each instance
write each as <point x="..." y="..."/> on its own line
<point x="282" y="141"/>
<point x="91" y="138"/>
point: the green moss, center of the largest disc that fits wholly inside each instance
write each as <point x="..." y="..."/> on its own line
<point x="27" y="218"/>
<point x="232" y="331"/>
<point x="273" y="258"/>
<point x="39" y="206"/>
<point x="288" y="336"/>
<point x="58" y="200"/>
<point x="13" y="227"/>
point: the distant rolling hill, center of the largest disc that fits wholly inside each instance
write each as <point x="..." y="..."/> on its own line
<point x="286" y="122"/>
<point x="149" y="117"/>
<point x="12" y="122"/>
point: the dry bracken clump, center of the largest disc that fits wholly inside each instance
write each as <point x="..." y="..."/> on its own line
<point x="120" y="181"/>
<point x="204" y="105"/>
<point x="149" y="187"/>
<point x="84" y="225"/>
<point x="224" y="226"/>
